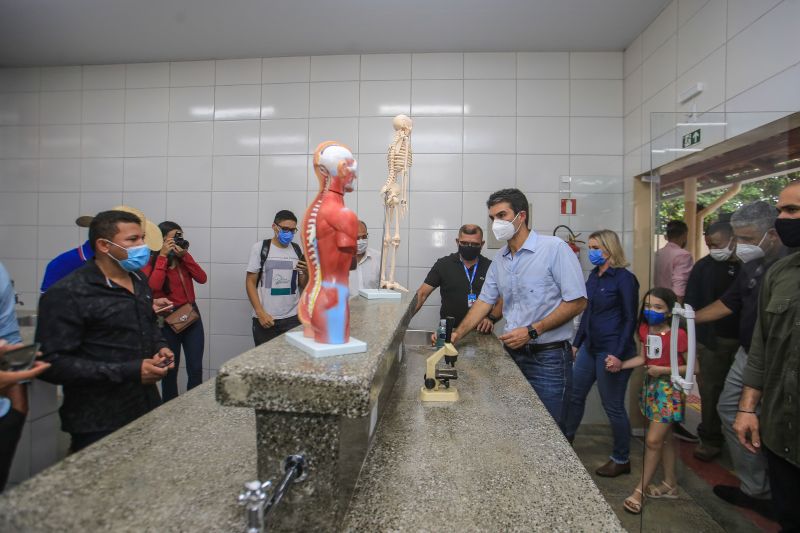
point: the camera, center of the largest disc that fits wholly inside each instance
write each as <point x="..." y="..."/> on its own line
<point x="180" y="242"/>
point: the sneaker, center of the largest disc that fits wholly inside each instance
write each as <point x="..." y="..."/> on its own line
<point x="706" y="452"/>
<point x="735" y="496"/>
<point x="612" y="469"/>
<point x="683" y="434"/>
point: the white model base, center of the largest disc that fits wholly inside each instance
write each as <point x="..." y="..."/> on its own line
<point x="317" y="349"/>
<point x="379" y="294"/>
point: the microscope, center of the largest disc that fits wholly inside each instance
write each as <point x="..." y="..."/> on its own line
<point x="437" y="379"/>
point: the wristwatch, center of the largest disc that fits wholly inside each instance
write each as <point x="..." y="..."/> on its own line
<point x="532" y="333"/>
<point x="494" y="319"/>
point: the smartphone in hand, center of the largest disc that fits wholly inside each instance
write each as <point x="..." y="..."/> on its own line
<point x="19" y="359"/>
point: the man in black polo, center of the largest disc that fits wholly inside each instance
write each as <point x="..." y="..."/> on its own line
<point x="98" y="331"/>
<point x="460" y="276"/>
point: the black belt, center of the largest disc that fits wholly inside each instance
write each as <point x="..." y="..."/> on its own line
<point x="536" y="348"/>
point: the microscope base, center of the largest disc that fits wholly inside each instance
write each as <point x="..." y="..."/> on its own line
<point x="442" y="395"/>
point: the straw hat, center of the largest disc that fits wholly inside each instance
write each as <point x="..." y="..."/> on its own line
<point x="152" y="235"/>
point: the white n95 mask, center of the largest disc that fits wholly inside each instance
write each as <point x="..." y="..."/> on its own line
<point x="504" y="229"/>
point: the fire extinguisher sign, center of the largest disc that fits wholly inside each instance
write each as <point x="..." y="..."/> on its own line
<point x="568" y="206"/>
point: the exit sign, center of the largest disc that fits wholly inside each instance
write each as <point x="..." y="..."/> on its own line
<point x="691" y="138"/>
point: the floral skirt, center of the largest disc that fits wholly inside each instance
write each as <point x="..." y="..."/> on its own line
<point x="659" y="401"/>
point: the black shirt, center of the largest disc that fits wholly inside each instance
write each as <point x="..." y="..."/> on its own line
<point x="708" y="281"/>
<point x="96" y="334"/>
<point x="448" y="273"/>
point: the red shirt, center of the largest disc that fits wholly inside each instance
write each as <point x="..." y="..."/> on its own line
<point x="190" y="270"/>
<point x="666" y="339"/>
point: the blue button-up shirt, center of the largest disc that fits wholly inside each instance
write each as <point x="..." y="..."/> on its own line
<point x="533" y="282"/>
<point x="609" y="321"/>
<point x="9" y="328"/>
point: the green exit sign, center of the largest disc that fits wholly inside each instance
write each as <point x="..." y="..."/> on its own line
<point x="691" y="138"/>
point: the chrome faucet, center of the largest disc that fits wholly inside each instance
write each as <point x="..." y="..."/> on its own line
<point x="255" y="495"/>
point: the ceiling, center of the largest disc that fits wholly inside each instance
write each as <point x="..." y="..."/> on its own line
<point x="69" y="32"/>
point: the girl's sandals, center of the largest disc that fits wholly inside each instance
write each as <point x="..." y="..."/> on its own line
<point x="656" y="492"/>
<point x="631" y="504"/>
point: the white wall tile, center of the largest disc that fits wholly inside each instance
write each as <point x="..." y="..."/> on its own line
<point x="595" y="65"/>
<point x="474" y="211"/>
<point x="543" y="65"/>
<point x="60" y="175"/>
<point x="23" y="273"/>
<point x="147" y="105"/>
<point x="228" y="281"/>
<point x="632" y="91"/>
<point x="434" y="135"/>
<point x="595" y="183"/>
<point x="701" y="35"/>
<point x="238" y="71"/>
<point x="232" y="245"/>
<point x="595" y="165"/>
<point x="236" y="173"/>
<point x="778" y="93"/>
<point x="541" y="173"/>
<point x="58" y="209"/>
<point x="234" y="210"/>
<point x="285" y="136"/>
<point x="284" y="100"/>
<point x="236" y="137"/>
<point x="237" y="102"/>
<point x="225" y="347"/>
<point x="542" y="98"/>
<point x="490" y="135"/>
<point x="53" y="240"/>
<point x="103" y="77"/>
<point x="596" y="136"/>
<point x="19" y="175"/>
<point x="61" y="79"/>
<point x="148" y="139"/>
<point x="19" y="79"/>
<point x="335" y="68"/>
<point x="372" y="170"/>
<point x="103" y="174"/>
<point x="437" y="66"/>
<point x="546" y="208"/>
<point x="102" y="140"/>
<point x="189" y="173"/>
<point x="200" y="240"/>
<point x="660" y="30"/>
<point x="663" y="102"/>
<point x="425" y="245"/>
<point x="489" y="172"/>
<point x="742" y="13"/>
<point x="103" y="107"/>
<point x="283" y="172"/>
<point x="490" y="66"/>
<point x="386" y="67"/>
<point x="711" y="73"/>
<point x="61" y="107"/>
<point x="435" y="172"/>
<point x="60" y="141"/>
<point x="152" y="204"/>
<point x="145" y="174"/>
<point x="687" y="9"/>
<point x="191" y="73"/>
<point x="590" y="211"/>
<point x="659" y="69"/>
<point x="19" y="142"/>
<point x="231" y="317"/>
<point x="375" y="134"/>
<point x="19" y="109"/>
<point x="18" y="242"/>
<point x="270" y="203"/>
<point x="632" y="130"/>
<point x="191" y="208"/>
<point x="543" y="135"/>
<point x="632" y="57"/>
<point x="18" y="209"/>
<point x="190" y="138"/>
<point x="285" y="69"/>
<point x="146" y="75"/>
<point x="490" y="97"/>
<point x="94" y="202"/>
<point x="596" y="98"/>
<point x="385" y="98"/>
<point x="191" y="104"/>
<point x="334" y="99"/>
<point x="437" y="97"/>
<point x="343" y="130"/>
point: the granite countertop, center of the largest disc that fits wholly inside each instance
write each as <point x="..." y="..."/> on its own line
<point x="178" y="468"/>
<point x="278" y="377"/>
<point x="493" y="461"/>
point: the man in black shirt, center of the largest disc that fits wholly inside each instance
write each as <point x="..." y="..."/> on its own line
<point x="98" y="331"/>
<point x="460" y="276"/>
<point x="718" y="341"/>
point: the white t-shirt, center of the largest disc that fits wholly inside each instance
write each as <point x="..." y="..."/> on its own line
<point x="367" y="273"/>
<point x="278" y="290"/>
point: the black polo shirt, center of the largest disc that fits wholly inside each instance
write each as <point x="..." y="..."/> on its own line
<point x="449" y="275"/>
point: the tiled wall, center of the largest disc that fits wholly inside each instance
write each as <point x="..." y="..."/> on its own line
<point x="743" y="51"/>
<point x="220" y="146"/>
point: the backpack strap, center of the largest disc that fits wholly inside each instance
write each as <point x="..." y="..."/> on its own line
<point x="297" y="250"/>
<point x="264" y="253"/>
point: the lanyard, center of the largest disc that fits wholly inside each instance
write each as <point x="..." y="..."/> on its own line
<point x="470" y="279"/>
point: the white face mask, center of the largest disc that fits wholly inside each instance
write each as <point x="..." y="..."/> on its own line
<point x="361" y="246"/>
<point x="721" y="254"/>
<point x="750" y="252"/>
<point x="504" y="229"/>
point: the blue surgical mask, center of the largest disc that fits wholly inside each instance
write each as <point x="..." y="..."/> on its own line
<point x="138" y="256"/>
<point x="654" y="317"/>
<point x="285" y="237"/>
<point x="596" y="257"/>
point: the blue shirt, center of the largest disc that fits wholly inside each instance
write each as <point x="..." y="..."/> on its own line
<point x="533" y="282"/>
<point x="66" y="263"/>
<point x="9" y="328"/>
<point x="609" y="321"/>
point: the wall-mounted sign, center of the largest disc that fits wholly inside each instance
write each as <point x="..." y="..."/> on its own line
<point x="691" y="138"/>
<point x="568" y="206"/>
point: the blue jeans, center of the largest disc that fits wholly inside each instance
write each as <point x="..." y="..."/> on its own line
<point x="193" y="341"/>
<point x="550" y="374"/>
<point x="590" y="367"/>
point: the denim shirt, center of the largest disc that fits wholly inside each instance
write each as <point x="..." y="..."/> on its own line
<point x="533" y="282"/>
<point x="609" y="321"/>
<point x="9" y="328"/>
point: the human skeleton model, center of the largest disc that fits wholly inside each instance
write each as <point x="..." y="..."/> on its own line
<point x="395" y="198"/>
<point x="329" y="234"/>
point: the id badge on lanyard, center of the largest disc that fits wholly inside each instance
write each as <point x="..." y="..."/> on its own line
<point x="471" y="296"/>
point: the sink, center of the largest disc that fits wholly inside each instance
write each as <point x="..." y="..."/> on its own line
<point x="417" y="337"/>
<point x="27" y="321"/>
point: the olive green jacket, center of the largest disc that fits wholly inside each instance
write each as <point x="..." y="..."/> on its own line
<point x="773" y="362"/>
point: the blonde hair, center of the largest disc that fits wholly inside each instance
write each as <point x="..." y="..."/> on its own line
<point x="609" y="242"/>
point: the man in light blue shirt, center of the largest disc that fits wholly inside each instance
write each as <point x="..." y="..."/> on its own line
<point x="542" y="286"/>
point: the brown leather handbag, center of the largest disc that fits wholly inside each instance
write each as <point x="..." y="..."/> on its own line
<point x="185" y="315"/>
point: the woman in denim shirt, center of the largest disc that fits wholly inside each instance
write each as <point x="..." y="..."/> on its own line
<point x="604" y="340"/>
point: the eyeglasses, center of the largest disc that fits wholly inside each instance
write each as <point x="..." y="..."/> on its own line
<point x="470" y="244"/>
<point x="293" y="230"/>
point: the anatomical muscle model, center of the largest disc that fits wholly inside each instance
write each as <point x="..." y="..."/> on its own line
<point x="329" y="234"/>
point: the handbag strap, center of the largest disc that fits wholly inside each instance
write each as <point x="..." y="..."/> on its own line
<point x="180" y="276"/>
